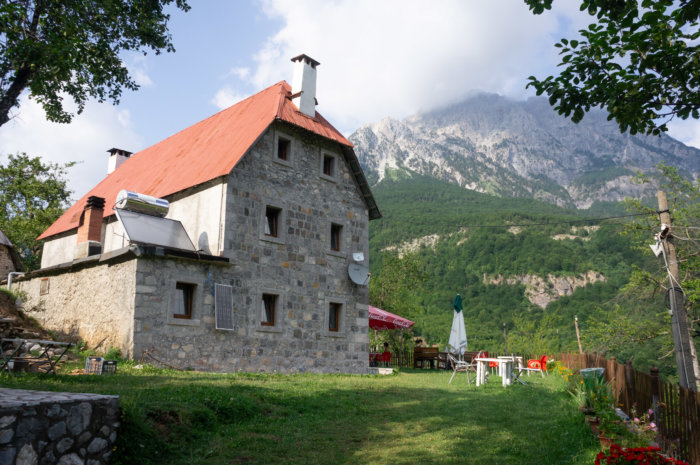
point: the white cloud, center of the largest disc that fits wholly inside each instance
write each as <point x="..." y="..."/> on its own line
<point x="86" y="140"/>
<point x="226" y="97"/>
<point x="686" y="131"/>
<point x="138" y="68"/>
<point x="239" y="72"/>
<point x="395" y="57"/>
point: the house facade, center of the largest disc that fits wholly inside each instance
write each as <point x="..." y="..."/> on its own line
<point x="276" y="205"/>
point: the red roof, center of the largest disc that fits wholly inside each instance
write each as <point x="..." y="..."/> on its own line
<point x="200" y="153"/>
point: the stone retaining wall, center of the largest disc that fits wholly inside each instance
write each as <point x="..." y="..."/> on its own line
<point x="45" y="428"/>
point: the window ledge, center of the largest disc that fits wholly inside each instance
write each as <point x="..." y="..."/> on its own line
<point x="273" y="239"/>
<point x="325" y="177"/>
<point x="182" y="322"/>
<point x="287" y="163"/>
<point x="334" y="334"/>
<point x="337" y="254"/>
<point x="268" y="329"/>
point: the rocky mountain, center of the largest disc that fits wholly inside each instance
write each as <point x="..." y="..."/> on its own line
<point x="509" y="148"/>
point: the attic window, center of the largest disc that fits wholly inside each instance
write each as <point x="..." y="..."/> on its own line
<point x="328" y="165"/>
<point x="283" y="149"/>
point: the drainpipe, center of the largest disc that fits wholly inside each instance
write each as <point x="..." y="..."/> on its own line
<point x="9" y="277"/>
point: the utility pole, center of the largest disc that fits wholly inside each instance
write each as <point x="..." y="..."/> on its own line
<point x="578" y="335"/>
<point x="686" y="359"/>
<point x="505" y="337"/>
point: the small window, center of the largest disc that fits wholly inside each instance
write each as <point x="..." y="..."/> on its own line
<point x="268" y="307"/>
<point x="333" y="316"/>
<point x="283" y="149"/>
<point x="272" y="216"/>
<point x="184" y="292"/>
<point x="329" y="165"/>
<point x="44" y="286"/>
<point x="335" y="237"/>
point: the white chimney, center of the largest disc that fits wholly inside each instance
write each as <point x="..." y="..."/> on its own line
<point x="116" y="158"/>
<point x="304" y="84"/>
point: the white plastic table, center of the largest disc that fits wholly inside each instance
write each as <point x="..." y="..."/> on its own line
<point x="505" y="369"/>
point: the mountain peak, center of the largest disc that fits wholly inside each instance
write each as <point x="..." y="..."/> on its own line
<point x="492" y="144"/>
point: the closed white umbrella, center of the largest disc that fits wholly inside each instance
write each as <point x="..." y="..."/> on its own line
<point x="458" y="335"/>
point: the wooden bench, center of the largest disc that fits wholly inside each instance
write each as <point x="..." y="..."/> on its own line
<point x="425" y="354"/>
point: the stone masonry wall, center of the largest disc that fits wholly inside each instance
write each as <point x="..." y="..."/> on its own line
<point x="6" y="264"/>
<point x="94" y="302"/>
<point x="298" y="267"/>
<point x="42" y="428"/>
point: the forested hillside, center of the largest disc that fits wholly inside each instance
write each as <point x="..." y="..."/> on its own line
<point x="465" y="242"/>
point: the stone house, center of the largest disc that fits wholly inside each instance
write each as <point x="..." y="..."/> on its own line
<point x="276" y="204"/>
<point x="9" y="258"/>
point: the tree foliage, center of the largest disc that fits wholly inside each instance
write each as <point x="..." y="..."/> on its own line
<point x="72" y="47"/>
<point x="462" y="257"/>
<point x="640" y="60"/>
<point x="33" y="194"/>
<point x="684" y="205"/>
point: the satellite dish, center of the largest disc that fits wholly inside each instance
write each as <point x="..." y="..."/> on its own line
<point x="359" y="274"/>
<point x="358" y="257"/>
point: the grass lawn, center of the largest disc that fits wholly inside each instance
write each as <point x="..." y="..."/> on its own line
<point x="413" y="417"/>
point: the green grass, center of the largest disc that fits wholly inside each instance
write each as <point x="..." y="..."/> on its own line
<point x="413" y="417"/>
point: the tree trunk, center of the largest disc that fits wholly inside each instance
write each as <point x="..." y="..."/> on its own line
<point x="10" y="99"/>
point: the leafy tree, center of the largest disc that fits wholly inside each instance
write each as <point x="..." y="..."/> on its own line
<point x="72" y="47"/>
<point x="640" y="61"/>
<point x="394" y="289"/>
<point x="33" y="195"/>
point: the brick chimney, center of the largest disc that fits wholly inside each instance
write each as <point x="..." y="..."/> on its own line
<point x="304" y="84"/>
<point x="116" y="158"/>
<point x="90" y="228"/>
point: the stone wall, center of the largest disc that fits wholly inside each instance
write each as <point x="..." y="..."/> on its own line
<point x="6" y="263"/>
<point x="63" y="428"/>
<point x="92" y="300"/>
<point x="299" y="265"/>
<point x="130" y="302"/>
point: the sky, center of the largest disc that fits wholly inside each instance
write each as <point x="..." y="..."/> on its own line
<point x="388" y="58"/>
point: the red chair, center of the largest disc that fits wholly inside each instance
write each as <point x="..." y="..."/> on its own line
<point x="537" y="365"/>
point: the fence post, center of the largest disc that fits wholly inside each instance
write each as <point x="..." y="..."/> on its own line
<point x="629" y="384"/>
<point x="654" y="373"/>
<point x="612" y="367"/>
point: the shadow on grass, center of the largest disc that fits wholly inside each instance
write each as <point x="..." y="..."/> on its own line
<point x="414" y="417"/>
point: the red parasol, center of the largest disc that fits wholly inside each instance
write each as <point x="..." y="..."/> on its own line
<point x="381" y="319"/>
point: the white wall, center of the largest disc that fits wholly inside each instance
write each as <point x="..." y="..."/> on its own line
<point x="58" y="250"/>
<point x="202" y="213"/>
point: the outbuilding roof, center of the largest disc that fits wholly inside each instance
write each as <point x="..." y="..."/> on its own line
<point x="207" y="150"/>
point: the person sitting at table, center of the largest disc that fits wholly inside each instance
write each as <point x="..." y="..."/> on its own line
<point x="386" y="355"/>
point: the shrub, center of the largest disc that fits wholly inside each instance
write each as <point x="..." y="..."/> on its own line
<point x="635" y="456"/>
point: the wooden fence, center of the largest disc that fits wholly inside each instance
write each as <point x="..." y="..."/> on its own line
<point x="676" y="409"/>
